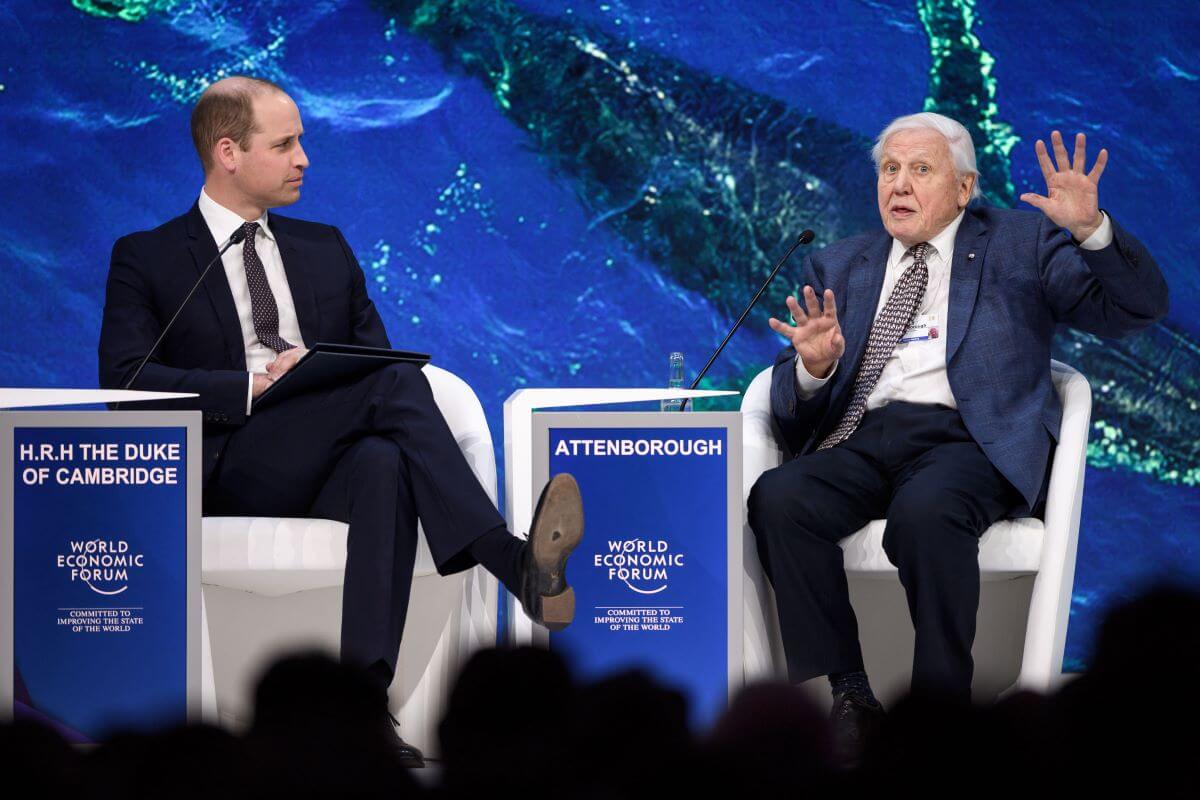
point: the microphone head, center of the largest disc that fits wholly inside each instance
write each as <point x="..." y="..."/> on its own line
<point x="806" y="237"/>
<point x="240" y="234"/>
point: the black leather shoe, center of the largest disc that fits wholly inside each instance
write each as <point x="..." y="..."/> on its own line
<point x="404" y="753"/>
<point x="557" y="529"/>
<point x="855" y="721"/>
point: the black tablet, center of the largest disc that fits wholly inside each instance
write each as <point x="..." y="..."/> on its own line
<point x="327" y="364"/>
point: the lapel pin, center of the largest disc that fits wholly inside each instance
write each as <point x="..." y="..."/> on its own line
<point x="970" y="256"/>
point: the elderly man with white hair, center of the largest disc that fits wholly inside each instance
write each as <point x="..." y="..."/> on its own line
<point x="917" y="388"/>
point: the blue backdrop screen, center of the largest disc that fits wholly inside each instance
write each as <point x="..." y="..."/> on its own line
<point x="561" y="193"/>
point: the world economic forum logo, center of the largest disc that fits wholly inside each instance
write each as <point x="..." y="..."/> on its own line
<point x="104" y="565"/>
<point x="645" y="566"/>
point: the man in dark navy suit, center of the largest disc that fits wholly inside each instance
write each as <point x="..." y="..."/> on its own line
<point x="376" y="453"/>
<point x="917" y="388"/>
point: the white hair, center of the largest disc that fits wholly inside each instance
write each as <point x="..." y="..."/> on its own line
<point x="962" y="149"/>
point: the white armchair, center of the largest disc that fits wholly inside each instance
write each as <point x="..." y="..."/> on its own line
<point x="272" y="585"/>
<point x="1024" y="551"/>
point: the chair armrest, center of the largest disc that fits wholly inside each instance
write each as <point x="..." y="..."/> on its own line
<point x="1050" y="603"/>
<point x="760" y="450"/>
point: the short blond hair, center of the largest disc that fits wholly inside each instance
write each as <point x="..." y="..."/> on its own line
<point x="226" y="109"/>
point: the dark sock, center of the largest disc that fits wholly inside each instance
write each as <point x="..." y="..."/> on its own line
<point x="381" y="675"/>
<point x="501" y="554"/>
<point x="853" y="683"/>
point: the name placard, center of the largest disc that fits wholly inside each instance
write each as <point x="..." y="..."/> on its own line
<point x="652" y="577"/>
<point x="97" y="548"/>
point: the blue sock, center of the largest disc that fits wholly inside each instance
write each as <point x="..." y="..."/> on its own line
<point x="853" y="683"/>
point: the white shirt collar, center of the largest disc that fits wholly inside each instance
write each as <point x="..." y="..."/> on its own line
<point x="222" y="222"/>
<point x="942" y="244"/>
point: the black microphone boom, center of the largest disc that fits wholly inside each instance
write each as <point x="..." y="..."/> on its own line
<point x="234" y="238"/>
<point x="803" y="238"/>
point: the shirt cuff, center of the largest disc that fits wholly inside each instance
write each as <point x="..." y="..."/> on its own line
<point x="249" y="393"/>
<point x="806" y="384"/>
<point x="1101" y="238"/>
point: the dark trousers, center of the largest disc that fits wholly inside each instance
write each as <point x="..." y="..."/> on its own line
<point x="376" y="454"/>
<point x="917" y="466"/>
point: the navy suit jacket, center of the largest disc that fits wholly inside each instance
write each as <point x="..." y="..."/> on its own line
<point x="151" y="273"/>
<point x="1014" y="277"/>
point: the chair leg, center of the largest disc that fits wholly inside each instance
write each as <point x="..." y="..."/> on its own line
<point x="208" y="686"/>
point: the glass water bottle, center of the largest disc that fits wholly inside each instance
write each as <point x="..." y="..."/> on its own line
<point x="674" y="381"/>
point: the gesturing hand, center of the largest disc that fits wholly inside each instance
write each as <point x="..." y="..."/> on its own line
<point x="817" y="335"/>
<point x="1071" y="200"/>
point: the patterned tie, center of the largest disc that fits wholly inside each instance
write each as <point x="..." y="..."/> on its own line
<point x="889" y="326"/>
<point x="262" y="301"/>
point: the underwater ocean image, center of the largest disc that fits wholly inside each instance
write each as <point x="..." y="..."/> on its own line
<point x="548" y="193"/>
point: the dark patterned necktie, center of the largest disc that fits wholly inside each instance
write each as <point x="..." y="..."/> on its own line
<point x="262" y="302"/>
<point x="889" y="326"/>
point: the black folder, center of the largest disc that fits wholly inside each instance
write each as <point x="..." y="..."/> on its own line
<point x="326" y="365"/>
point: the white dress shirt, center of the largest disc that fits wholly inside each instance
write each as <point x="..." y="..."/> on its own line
<point x="221" y="223"/>
<point x="916" y="370"/>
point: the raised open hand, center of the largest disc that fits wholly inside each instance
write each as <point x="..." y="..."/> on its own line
<point x="817" y="335"/>
<point x="1071" y="200"/>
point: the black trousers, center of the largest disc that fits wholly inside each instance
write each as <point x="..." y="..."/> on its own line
<point x="376" y="454"/>
<point x="917" y="466"/>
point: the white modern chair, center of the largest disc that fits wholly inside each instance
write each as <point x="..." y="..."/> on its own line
<point x="273" y="585"/>
<point x="1012" y="553"/>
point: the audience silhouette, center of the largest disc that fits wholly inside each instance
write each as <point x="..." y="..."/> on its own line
<point x="516" y="721"/>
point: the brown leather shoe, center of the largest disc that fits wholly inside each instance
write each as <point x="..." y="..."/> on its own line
<point x="557" y="529"/>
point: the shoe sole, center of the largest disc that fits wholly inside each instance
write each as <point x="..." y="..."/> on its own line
<point x="558" y="611"/>
<point x="557" y="531"/>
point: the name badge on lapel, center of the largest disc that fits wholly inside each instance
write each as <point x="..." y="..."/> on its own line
<point x="924" y="327"/>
